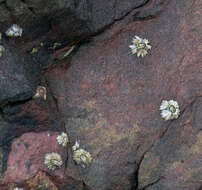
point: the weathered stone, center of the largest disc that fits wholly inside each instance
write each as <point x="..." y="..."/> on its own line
<point x="27" y="156"/>
<point x="41" y="182"/>
<point x="1" y="163"/>
<point x="110" y="99"/>
<point x="175" y="160"/>
<point x="5" y="17"/>
<point x="19" y="76"/>
<point x="72" y="18"/>
<point x="33" y="116"/>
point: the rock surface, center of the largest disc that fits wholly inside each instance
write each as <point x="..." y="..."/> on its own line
<point x="65" y="17"/>
<point x="18" y="76"/>
<point x="27" y="156"/>
<point x="108" y="99"/>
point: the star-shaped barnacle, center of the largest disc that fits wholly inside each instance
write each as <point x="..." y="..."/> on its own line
<point x="53" y="160"/>
<point x="140" y="46"/>
<point x="82" y="157"/>
<point x="169" y="109"/>
<point x="14" y="31"/>
<point x="75" y="146"/>
<point x="63" y="139"/>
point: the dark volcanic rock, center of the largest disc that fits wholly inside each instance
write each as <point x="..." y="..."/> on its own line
<point x="64" y="17"/>
<point x="32" y="116"/>
<point x="109" y="99"/>
<point x="19" y="76"/>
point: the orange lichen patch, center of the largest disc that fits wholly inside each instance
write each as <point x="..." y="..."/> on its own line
<point x="41" y="181"/>
<point x="40" y="92"/>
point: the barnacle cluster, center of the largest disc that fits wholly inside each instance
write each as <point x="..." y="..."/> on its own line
<point x="14" y="31"/>
<point x="63" y="139"/>
<point x="81" y="156"/>
<point x="40" y="92"/>
<point x="169" y="110"/>
<point x="53" y="160"/>
<point x="140" y="46"/>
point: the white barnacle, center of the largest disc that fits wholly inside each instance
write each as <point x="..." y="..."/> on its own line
<point x="17" y="188"/>
<point x="76" y="146"/>
<point x="82" y="157"/>
<point x="40" y="92"/>
<point x="63" y="139"/>
<point x="53" y="160"/>
<point x="169" y="110"/>
<point x="14" y="31"/>
<point x="140" y="46"/>
<point x="2" y="49"/>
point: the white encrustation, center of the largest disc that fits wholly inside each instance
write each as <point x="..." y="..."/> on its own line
<point x="53" y="160"/>
<point x="14" y="31"/>
<point x="140" y="46"/>
<point x="63" y="139"/>
<point x="169" y="109"/>
<point x="82" y="157"/>
<point x="76" y="146"/>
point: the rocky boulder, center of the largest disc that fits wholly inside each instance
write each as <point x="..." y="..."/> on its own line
<point x="108" y="99"/>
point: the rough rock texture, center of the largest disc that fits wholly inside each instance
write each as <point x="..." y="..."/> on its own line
<point x="18" y="76"/>
<point x="70" y="18"/>
<point x="108" y="99"/>
<point x="27" y="156"/>
<point x="1" y="163"/>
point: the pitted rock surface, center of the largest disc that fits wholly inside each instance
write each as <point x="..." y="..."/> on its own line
<point x="28" y="154"/>
<point x="108" y="99"/>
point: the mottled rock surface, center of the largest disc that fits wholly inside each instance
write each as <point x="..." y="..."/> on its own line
<point x="28" y="154"/>
<point x="18" y="76"/>
<point x="107" y="98"/>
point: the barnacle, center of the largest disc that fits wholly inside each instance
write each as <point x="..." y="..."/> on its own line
<point x="140" y="46"/>
<point x="76" y="146"/>
<point x="82" y="157"/>
<point x="63" y="139"/>
<point x="169" y="110"/>
<point x="40" y="92"/>
<point x="53" y="160"/>
<point x="17" y="188"/>
<point x="14" y="31"/>
<point x="2" y="49"/>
